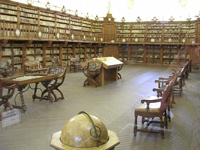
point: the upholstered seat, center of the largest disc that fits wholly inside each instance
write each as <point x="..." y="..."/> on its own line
<point x="153" y="107"/>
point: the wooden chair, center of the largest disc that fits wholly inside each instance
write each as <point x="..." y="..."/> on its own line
<point x="163" y="82"/>
<point x="60" y="73"/>
<point x="9" y="93"/>
<point x="75" y="64"/>
<point x="151" y="108"/>
<point x="6" y="69"/>
<point x="56" y="61"/>
<point x="34" y="67"/>
<point x="180" y="82"/>
<point x="91" y="71"/>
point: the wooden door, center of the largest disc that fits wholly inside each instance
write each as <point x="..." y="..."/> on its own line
<point x="109" y="32"/>
<point x="111" y="50"/>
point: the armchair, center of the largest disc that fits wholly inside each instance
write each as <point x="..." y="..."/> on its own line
<point x="60" y="73"/>
<point x="6" y="69"/>
<point x="91" y="71"/>
<point x="55" y="61"/>
<point x="151" y="108"/>
<point x="75" y="64"/>
<point x="33" y="67"/>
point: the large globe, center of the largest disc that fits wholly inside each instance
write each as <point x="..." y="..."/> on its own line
<point x="84" y="131"/>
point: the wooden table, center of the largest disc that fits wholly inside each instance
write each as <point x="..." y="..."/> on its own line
<point x="23" y="80"/>
<point x="109" y="70"/>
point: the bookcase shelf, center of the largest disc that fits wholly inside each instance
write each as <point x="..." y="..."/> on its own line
<point x="66" y="35"/>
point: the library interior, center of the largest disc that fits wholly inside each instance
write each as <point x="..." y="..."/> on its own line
<point x="99" y="75"/>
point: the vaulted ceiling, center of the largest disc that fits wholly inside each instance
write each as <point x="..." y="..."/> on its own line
<point x="129" y="9"/>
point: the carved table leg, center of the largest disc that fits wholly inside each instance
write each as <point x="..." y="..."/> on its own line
<point x="23" y="106"/>
<point x="35" y="90"/>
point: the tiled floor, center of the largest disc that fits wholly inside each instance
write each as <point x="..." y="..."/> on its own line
<point x="114" y="105"/>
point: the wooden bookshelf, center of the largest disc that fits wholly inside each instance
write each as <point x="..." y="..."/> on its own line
<point x="29" y="32"/>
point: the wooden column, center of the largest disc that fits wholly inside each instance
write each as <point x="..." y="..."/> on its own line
<point x="129" y="53"/>
<point x="161" y="54"/>
<point x="2" y="44"/>
<point x="95" y="49"/>
<point x="178" y="54"/>
<point x="24" y="45"/>
<point x="85" y="52"/>
<point x="145" y="54"/>
<point x="60" y="50"/>
<point x="44" y="54"/>
<point x="45" y="45"/>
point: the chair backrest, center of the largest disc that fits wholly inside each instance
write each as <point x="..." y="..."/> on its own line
<point x="32" y="64"/>
<point x="6" y="69"/>
<point x="29" y="65"/>
<point x="74" y="60"/>
<point x="4" y="65"/>
<point x="93" y="66"/>
<point x="166" y="97"/>
<point x="59" y="71"/>
<point x="55" y="61"/>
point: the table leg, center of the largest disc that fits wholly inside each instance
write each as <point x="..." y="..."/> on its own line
<point x="23" y="106"/>
<point x="35" y="91"/>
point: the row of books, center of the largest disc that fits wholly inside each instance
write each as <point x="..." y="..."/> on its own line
<point x="46" y="14"/>
<point x="8" y="51"/>
<point x="62" y="21"/>
<point x="8" y="18"/>
<point x="8" y="11"/>
<point x="8" y="6"/>
<point x="28" y="14"/>
<point x="47" y="18"/>
<point x="28" y="10"/>
<point x="28" y="20"/>
<point x="63" y="25"/>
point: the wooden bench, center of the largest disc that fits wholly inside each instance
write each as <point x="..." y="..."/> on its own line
<point x="33" y="67"/>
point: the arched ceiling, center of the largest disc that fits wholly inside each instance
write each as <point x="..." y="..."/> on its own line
<point x="129" y="9"/>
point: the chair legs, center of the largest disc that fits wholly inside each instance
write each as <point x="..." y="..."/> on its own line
<point x="145" y="129"/>
<point x="52" y="89"/>
<point x="88" y="80"/>
<point x="135" y="126"/>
